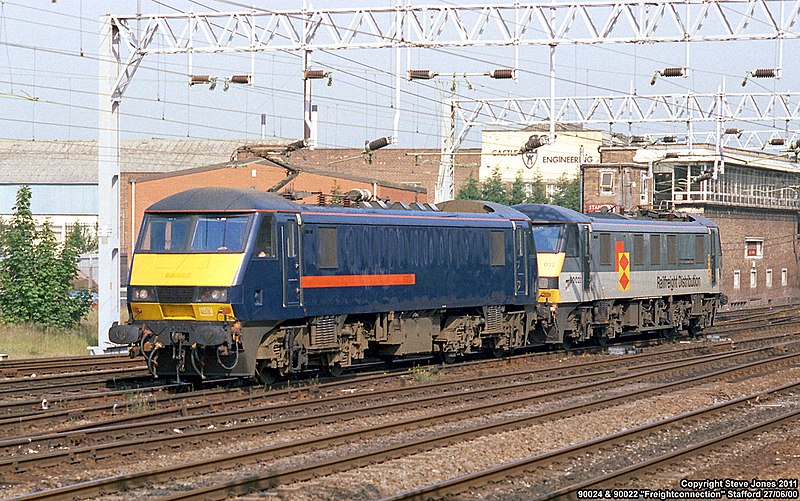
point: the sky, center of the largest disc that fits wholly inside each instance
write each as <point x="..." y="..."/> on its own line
<point x="49" y="67"/>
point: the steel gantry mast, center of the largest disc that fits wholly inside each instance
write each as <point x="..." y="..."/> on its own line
<point x="709" y="109"/>
<point x="550" y="23"/>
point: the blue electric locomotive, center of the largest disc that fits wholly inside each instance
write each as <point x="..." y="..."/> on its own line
<point x="606" y="275"/>
<point x="228" y="282"/>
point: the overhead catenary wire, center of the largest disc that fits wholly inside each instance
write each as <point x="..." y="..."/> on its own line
<point x="380" y="83"/>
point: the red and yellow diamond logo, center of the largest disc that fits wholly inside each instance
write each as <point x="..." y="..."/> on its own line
<point x="623" y="266"/>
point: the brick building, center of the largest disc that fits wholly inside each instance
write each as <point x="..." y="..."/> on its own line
<point x="752" y="196"/>
<point x="405" y="166"/>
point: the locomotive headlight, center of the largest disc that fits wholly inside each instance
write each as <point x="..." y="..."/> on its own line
<point x="548" y="282"/>
<point x="212" y="295"/>
<point x="144" y="294"/>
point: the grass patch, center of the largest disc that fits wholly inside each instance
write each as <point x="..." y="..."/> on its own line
<point x="424" y="374"/>
<point x="31" y="341"/>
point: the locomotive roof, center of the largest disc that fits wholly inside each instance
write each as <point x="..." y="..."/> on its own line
<point x="214" y="199"/>
<point x="223" y="199"/>
<point x="542" y="213"/>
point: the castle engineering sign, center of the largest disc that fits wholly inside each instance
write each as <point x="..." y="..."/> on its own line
<point x="501" y="151"/>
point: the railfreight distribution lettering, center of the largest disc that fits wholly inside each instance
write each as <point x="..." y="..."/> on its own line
<point x="678" y="282"/>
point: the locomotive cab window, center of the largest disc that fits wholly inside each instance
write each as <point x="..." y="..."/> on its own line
<point x="190" y="234"/>
<point x="164" y="234"/>
<point x="557" y="238"/>
<point x="327" y="251"/>
<point x="265" y="239"/>
<point x="497" y="250"/>
<point x="219" y="233"/>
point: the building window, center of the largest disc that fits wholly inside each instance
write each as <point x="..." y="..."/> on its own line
<point x="769" y="278"/>
<point x="736" y="279"/>
<point x="753" y="248"/>
<point x="784" y="277"/>
<point x="753" y="278"/>
<point x="606" y="182"/>
<point x="644" y="188"/>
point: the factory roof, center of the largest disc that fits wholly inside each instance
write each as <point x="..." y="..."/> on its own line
<point x="75" y="162"/>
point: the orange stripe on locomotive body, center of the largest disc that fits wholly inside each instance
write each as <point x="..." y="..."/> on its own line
<point x="326" y="281"/>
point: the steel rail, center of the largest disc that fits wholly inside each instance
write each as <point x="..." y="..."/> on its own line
<point x="126" y="426"/>
<point x="209" y="465"/>
<point x="480" y="478"/>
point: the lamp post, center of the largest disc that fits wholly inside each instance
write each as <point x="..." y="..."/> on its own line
<point x="445" y="187"/>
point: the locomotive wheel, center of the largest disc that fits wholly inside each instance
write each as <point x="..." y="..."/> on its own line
<point x="334" y="370"/>
<point x="670" y="333"/>
<point x="694" y="328"/>
<point x="500" y="352"/>
<point x="266" y="375"/>
<point x="601" y="340"/>
<point x="447" y="357"/>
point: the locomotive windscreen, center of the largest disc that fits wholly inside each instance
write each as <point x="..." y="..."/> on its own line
<point x="556" y="238"/>
<point x="176" y="234"/>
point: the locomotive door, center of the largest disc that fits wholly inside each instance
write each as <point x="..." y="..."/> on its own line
<point x="712" y="264"/>
<point x="521" y="237"/>
<point x="292" y="294"/>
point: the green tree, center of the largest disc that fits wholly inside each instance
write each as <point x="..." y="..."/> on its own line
<point x="517" y="194"/>
<point x="18" y="286"/>
<point x="82" y="239"/>
<point x="567" y="192"/>
<point x="494" y="189"/>
<point x="538" y="191"/>
<point x="470" y="190"/>
<point x="36" y="273"/>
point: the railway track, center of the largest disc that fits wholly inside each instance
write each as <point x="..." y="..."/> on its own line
<point x="219" y="405"/>
<point x="45" y="366"/>
<point x="93" y="488"/>
<point x="530" y="465"/>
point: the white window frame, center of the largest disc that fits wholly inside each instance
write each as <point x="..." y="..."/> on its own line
<point x="606" y="188"/>
<point x="769" y="278"/>
<point x="644" y="188"/>
<point x="737" y="279"/>
<point x="759" y="244"/>
<point x="753" y="278"/>
<point x="784" y="277"/>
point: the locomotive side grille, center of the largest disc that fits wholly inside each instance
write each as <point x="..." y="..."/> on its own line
<point x="323" y="334"/>
<point x="494" y="319"/>
<point x="175" y="294"/>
